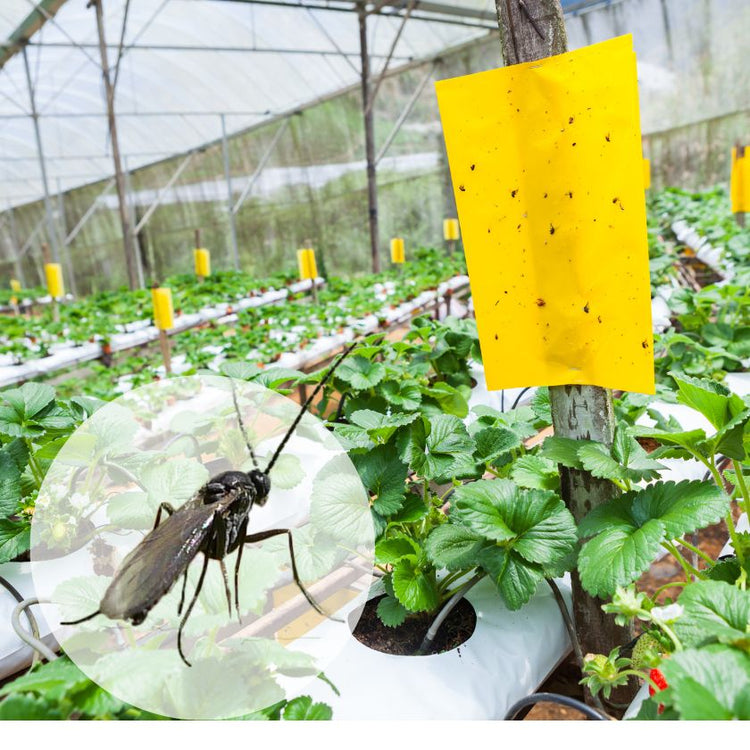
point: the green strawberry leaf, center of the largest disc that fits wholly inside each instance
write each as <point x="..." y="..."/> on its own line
<point x="454" y="547"/>
<point x="714" y="611"/>
<point x="391" y="612"/>
<point x="515" y="578"/>
<point x="631" y="528"/>
<point x="413" y="587"/>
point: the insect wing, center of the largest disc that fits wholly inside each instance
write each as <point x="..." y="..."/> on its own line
<point x="163" y="555"/>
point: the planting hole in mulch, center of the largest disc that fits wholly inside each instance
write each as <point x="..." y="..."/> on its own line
<point x="406" y="639"/>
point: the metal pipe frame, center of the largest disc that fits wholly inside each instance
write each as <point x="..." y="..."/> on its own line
<point x="230" y="194"/>
<point x="405" y="112"/>
<point x="261" y="166"/>
<point x="88" y="213"/>
<point x="51" y="230"/>
<point x="162" y="193"/>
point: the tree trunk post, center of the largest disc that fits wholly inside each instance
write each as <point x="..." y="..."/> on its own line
<point x="369" y="122"/>
<point x="531" y="30"/>
<point x="131" y="262"/>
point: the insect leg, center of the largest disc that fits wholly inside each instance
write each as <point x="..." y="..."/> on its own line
<point x="182" y="596"/>
<point x="163" y="506"/>
<point x="226" y="585"/>
<point x="190" y="609"/>
<point x="260" y="536"/>
<point x="83" y="619"/>
<point x="242" y="532"/>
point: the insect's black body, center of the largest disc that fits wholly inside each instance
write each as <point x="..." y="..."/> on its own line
<point x="214" y="521"/>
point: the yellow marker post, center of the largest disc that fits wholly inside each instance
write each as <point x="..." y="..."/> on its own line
<point x="739" y="186"/>
<point x="397" y="250"/>
<point x="646" y="174"/>
<point x="451" y="233"/>
<point x="15" y="286"/>
<point x="55" y="287"/>
<point x="201" y="258"/>
<point x="554" y="222"/>
<point x="308" y="269"/>
<point x="161" y="298"/>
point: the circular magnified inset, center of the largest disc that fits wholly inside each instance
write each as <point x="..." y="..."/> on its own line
<point x="204" y="546"/>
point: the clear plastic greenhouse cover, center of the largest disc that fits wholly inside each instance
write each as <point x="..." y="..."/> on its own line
<point x="183" y="63"/>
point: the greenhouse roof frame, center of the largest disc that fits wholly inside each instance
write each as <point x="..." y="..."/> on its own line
<point x="177" y="67"/>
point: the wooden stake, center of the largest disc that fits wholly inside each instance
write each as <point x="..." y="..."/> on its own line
<point x="531" y="30"/>
<point x="166" y="351"/>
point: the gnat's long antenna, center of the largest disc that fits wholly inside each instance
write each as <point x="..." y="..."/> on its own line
<point x="307" y="403"/>
<point x="242" y="426"/>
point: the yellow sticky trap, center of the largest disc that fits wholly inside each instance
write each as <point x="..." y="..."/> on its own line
<point x="15" y="285"/>
<point x="202" y="260"/>
<point x="450" y="229"/>
<point x="545" y="159"/>
<point x="739" y="187"/>
<point x="308" y="268"/>
<point x="55" y="285"/>
<point x="161" y="298"/>
<point x="397" y="250"/>
<point x="646" y="174"/>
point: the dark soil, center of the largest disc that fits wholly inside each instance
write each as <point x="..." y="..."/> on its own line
<point x="406" y="639"/>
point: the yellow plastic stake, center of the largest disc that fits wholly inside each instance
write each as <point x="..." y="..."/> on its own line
<point x="161" y="298"/>
<point x="646" y="173"/>
<point x="740" y="182"/>
<point x="397" y="250"/>
<point x="554" y="221"/>
<point x="202" y="258"/>
<point x="450" y="229"/>
<point x="308" y="268"/>
<point x="55" y="286"/>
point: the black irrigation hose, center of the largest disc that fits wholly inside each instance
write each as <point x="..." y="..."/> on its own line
<point x="563" y="700"/>
<point x="571" y="628"/>
<point x="520" y="396"/>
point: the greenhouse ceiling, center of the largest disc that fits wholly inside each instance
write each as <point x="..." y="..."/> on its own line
<point x="179" y="65"/>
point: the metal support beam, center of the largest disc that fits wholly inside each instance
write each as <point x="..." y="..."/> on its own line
<point x="372" y="189"/>
<point x="13" y="240"/>
<point x="163" y="192"/>
<point x="405" y="113"/>
<point x="230" y="195"/>
<point x="261" y="166"/>
<point x="88" y="213"/>
<point x="383" y="72"/>
<point x="127" y="235"/>
<point x="65" y="248"/>
<point x="51" y="230"/>
<point x="30" y="239"/>
<point x="130" y="200"/>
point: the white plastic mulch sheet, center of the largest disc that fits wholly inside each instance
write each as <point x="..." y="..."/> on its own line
<point x="139" y="332"/>
<point x="507" y="657"/>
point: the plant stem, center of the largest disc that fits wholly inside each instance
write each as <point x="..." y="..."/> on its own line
<point x="644" y="615"/>
<point x="643" y="676"/>
<point x="36" y="470"/>
<point x="697" y="551"/>
<point x="669" y="586"/>
<point x="688" y="569"/>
